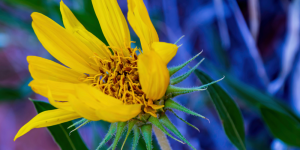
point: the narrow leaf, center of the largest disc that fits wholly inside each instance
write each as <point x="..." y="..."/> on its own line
<point x="282" y="126"/>
<point x="173" y="70"/>
<point x="109" y="135"/>
<point x="59" y="132"/>
<point x="228" y="111"/>
<point x="169" y="125"/>
<point x="147" y="135"/>
<point x="120" y="129"/>
<point x="136" y="137"/>
<point x="184" y="120"/>
<point x="178" y="79"/>
<point x="156" y="122"/>
<point x="173" y="105"/>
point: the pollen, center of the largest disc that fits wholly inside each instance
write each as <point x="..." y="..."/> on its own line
<point x="118" y="77"/>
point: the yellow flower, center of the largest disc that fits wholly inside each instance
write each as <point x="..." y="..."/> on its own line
<point x="100" y="82"/>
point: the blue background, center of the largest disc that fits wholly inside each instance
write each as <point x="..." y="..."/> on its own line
<point x="249" y="41"/>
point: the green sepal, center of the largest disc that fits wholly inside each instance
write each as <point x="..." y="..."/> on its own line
<point x="184" y="76"/>
<point x="156" y="122"/>
<point x="110" y="147"/>
<point x="184" y="120"/>
<point x="109" y="135"/>
<point x="173" y="70"/>
<point x="147" y="135"/>
<point x="120" y="129"/>
<point x="82" y="124"/>
<point x="173" y="105"/>
<point x="179" y="39"/>
<point x="130" y="126"/>
<point x="174" y="89"/>
<point x="77" y="123"/>
<point x="169" y="125"/>
<point x="136" y="137"/>
<point x="172" y="95"/>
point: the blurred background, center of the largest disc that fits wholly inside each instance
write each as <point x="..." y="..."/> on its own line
<point x="253" y="43"/>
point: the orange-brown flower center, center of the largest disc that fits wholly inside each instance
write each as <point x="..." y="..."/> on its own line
<point x="118" y="77"/>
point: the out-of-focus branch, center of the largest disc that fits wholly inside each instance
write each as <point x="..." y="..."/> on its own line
<point x="295" y="86"/>
<point x="219" y="8"/>
<point x="290" y="47"/>
<point x="162" y="139"/>
<point x="249" y="41"/>
<point x="254" y="17"/>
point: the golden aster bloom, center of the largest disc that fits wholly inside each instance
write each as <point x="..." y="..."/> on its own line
<point x="111" y="83"/>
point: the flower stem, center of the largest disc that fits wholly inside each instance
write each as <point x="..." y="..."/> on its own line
<point x="162" y="139"/>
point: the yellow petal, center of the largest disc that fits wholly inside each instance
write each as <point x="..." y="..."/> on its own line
<point x="62" y="44"/>
<point x="118" y="112"/>
<point x="90" y="101"/>
<point x="165" y="50"/>
<point x="74" y="26"/>
<point x="150" y="104"/>
<point x="140" y="29"/>
<point x="59" y="104"/>
<point x="95" y="97"/>
<point x="44" y="69"/>
<point x="113" y="23"/>
<point x="139" y="20"/>
<point x="157" y="106"/>
<point x="47" y="118"/>
<point x="59" y="90"/>
<point x="150" y="111"/>
<point x="154" y="75"/>
<point x="83" y="109"/>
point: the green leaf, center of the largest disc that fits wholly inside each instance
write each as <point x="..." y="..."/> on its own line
<point x="147" y="135"/>
<point x="246" y="93"/>
<point x="136" y="137"/>
<point x="111" y="131"/>
<point x="228" y="111"/>
<point x="60" y="133"/>
<point x="282" y="126"/>
<point x="169" y="125"/>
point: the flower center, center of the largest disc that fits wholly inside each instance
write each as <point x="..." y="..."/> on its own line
<point x="118" y="77"/>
